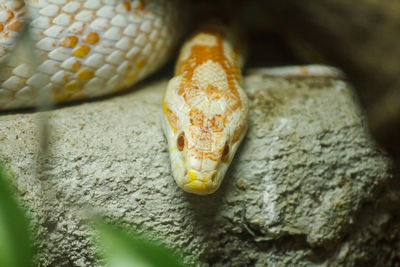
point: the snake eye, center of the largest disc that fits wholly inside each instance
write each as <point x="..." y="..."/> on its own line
<point x="225" y="151"/>
<point x="181" y="141"/>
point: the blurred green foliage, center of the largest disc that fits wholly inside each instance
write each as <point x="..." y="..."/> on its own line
<point x="120" y="249"/>
<point x="16" y="247"/>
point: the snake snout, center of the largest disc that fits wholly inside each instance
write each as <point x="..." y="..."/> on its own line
<point x="201" y="176"/>
<point x="199" y="182"/>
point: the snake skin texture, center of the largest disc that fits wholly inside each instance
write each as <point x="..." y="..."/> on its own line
<point x="205" y="109"/>
<point x="54" y="51"/>
<point x="83" y="49"/>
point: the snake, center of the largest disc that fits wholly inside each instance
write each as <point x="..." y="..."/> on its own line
<point x="206" y="110"/>
<point x="86" y="49"/>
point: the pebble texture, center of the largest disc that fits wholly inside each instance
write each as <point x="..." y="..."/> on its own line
<point x="307" y="187"/>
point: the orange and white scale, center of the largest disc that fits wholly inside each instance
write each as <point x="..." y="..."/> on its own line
<point x="205" y="108"/>
<point x="83" y="49"/>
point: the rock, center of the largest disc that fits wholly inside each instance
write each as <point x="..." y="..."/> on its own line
<point x="306" y="186"/>
<point x="360" y="37"/>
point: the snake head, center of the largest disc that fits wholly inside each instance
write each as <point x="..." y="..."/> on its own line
<point x="199" y="158"/>
<point x="202" y="140"/>
<point x="205" y="109"/>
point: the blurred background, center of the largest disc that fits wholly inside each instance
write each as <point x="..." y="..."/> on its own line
<point x="361" y="37"/>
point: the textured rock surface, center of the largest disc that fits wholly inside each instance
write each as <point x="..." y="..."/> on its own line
<point x="312" y="186"/>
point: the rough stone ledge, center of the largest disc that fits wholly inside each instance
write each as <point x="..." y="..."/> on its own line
<point x="302" y="177"/>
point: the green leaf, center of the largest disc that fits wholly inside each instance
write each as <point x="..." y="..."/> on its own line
<point x="15" y="243"/>
<point x="122" y="249"/>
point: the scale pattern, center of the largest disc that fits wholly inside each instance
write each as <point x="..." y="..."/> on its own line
<point x="84" y="48"/>
<point x="206" y="110"/>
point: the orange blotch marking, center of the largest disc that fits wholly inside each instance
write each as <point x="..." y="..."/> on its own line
<point x="140" y="5"/>
<point x="203" y="148"/>
<point x="140" y="63"/>
<point x="79" y="30"/>
<point x="1" y="27"/>
<point x="304" y="71"/>
<point x="213" y="92"/>
<point x="171" y="116"/>
<point x="91" y="38"/>
<point x="131" y="78"/>
<point x="212" y="156"/>
<point x="14" y="26"/>
<point x="203" y="142"/>
<point x="238" y="132"/>
<point x="216" y="123"/>
<point x="84" y="75"/>
<point x="127" y="5"/>
<point x="233" y="100"/>
<point x="128" y="68"/>
<point x="60" y="95"/>
<point x="187" y="87"/>
<point x="66" y="77"/>
<point x="81" y="51"/>
<point x="69" y="41"/>
<point x="79" y="95"/>
<point x="21" y="14"/>
<point x="77" y="64"/>
<point x="200" y="54"/>
<point x="4" y="35"/>
<point x="10" y="16"/>
<point x="73" y="87"/>
<point x="21" y="5"/>
<point x="196" y="117"/>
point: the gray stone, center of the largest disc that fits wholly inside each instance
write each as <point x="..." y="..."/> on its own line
<point x="308" y="185"/>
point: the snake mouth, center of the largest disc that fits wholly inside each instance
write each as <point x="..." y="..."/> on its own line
<point x="201" y="183"/>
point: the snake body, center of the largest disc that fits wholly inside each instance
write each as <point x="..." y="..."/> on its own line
<point x="84" y="49"/>
<point x="205" y="109"/>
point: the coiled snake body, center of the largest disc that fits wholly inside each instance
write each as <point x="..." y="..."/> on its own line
<point x="84" y="49"/>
